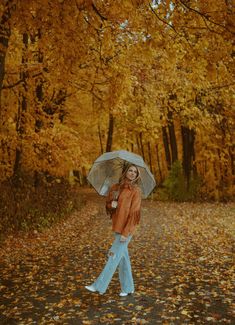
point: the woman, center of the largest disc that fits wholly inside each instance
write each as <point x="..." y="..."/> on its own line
<point x="123" y="204"/>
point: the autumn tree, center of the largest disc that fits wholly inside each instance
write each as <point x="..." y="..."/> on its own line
<point x="85" y="77"/>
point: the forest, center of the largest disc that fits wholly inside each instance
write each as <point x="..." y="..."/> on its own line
<point x="80" y="78"/>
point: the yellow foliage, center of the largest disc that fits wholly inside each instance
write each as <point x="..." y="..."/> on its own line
<point x="170" y="64"/>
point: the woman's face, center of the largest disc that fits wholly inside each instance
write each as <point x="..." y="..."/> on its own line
<point x="132" y="173"/>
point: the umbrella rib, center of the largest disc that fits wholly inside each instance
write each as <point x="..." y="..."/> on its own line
<point x="108" y="168"/>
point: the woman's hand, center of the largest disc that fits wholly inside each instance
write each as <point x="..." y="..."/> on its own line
<point x="123" y="239"/>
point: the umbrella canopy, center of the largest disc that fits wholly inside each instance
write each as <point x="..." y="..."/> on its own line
<point x="107" y="169"/>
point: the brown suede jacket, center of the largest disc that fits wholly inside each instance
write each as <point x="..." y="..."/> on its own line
<point x="127" y="214"/>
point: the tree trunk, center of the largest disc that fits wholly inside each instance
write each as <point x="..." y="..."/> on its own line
<point x="110" y="133"/>
<point x="21" y="120"/>
<point x="173" y="142"/>
<point x="138" y="144"/>
<point x="150" y="157"/>
<point x="230" y="150"/>
<point x="188" y="138"/>
<point x="166" y="147"/>
<point x="16" y="169"/>
<point x="158" y="163"/>
<point x="141" y="145"/>
<point x="39" y="96"/>
<point x="132" y="147"/>
<point x="5" y="33"/>
<point x="100" y="139"/>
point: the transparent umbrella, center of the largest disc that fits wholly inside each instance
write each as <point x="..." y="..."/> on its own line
<point x="107" y="169"/>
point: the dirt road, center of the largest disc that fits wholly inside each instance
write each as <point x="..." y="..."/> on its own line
<point x="182" y="261"/>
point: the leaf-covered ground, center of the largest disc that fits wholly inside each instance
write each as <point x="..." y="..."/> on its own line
<point x="182" y="260"/>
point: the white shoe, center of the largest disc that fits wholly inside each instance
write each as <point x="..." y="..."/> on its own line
<point x="91" y="288"/>
<point x="124" y="294"/>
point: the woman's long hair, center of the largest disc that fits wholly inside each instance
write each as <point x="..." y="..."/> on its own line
<point x="125" y="170"/>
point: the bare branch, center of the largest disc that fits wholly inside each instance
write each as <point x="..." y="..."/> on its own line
<point x="97" y="12"/>
<point x="205" y="16"/>
<point x="222" y="86"/>
<point x="19" y="82"/>
<point x="162" y="20"/>
<point x="13" y="85"/>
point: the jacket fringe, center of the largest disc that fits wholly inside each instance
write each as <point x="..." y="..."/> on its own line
<point x="135" y="216"/>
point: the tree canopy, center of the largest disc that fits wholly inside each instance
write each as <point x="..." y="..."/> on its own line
<point x="78" y="78"/>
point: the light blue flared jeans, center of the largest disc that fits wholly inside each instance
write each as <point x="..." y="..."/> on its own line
<point x="118" y="257"/>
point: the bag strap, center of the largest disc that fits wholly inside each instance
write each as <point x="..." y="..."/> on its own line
<point x="116" y="194"/>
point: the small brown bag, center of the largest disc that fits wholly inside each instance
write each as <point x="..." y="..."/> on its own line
<point x="114" y="202"/>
